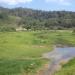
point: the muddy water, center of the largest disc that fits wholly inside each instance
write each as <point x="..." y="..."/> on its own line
<point x="56" y="56"/>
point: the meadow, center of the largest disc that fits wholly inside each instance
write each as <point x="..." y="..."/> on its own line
<point x="67" y="69"/>
<point x="21" y="52"/>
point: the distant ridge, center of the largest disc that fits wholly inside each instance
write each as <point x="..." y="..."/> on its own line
<point x="36" y="19"/>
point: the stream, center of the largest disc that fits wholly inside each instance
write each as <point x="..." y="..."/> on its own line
<point x="58" y="55"/>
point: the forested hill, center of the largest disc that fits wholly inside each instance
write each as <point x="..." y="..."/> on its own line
<point x="10" y="19"/>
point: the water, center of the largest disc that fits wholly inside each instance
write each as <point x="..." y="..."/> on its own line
<point x="61" y="53"/>
<point x="56" y="56"/>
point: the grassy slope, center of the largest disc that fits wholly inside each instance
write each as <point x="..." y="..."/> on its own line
<point x="16" y="46"/>
<point x="10" y="21"/>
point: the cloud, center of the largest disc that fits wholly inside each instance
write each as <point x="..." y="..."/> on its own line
<point x="61" y="2"/>
<point x="14" y="2"/>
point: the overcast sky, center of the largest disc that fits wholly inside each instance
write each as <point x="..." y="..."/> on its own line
<point x="68" y="5"/>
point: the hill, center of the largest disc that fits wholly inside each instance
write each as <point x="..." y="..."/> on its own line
<point x="35" y="19"/>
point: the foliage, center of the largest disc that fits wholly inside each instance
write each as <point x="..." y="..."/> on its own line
<point x="73" y="31"/>
<point x="7" y="29"/>
<point x="36" y="19"/>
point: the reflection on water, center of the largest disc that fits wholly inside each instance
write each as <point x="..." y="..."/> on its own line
<point x="57" y="56"/>
<point x="61" y="53"/>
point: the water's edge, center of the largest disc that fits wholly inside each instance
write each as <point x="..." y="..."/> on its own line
<point x="58" y="57"/>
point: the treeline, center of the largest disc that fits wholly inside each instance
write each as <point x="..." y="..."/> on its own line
<point x="36" y="19"/>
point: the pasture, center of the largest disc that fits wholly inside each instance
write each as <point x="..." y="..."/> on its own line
<point x="21" y="52"/>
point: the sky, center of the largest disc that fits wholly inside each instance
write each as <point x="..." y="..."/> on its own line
<point x="48" y="5"/>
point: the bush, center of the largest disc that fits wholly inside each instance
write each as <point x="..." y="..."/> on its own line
<point x="8" y="29"/>
<point x="73" y="31"/>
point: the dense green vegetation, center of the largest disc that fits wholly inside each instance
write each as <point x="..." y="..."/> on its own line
<point x="20" y="52"/>
<point x="35" y="19"/>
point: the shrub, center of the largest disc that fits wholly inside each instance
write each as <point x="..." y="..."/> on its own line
<point x="8" y="29"/>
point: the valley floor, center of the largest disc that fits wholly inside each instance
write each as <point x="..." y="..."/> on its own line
<point x="16" y="49"/>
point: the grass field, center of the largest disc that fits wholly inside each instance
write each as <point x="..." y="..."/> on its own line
<point x="67" y="69"/>
<point x="18" y="49"/>
<point x="21" y="45"/>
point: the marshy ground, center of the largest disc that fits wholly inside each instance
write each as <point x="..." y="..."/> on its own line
<point x="19" y="50"/>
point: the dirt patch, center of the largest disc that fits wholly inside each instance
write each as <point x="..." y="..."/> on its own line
<point x="43" y="69"/>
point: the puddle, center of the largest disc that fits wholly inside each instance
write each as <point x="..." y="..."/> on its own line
<point x="57" y="56"/>
<point x="61" y="53"/>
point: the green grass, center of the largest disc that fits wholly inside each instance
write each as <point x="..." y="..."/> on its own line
<point x="19" y="67"/>
<point x="68" y="69"/>
<point x="21" y="45"/>
<point x="16" y="47"/>
<point x="32" y="44"/>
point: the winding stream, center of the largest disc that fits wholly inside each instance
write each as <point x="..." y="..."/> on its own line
<point x="56" y="56"/>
